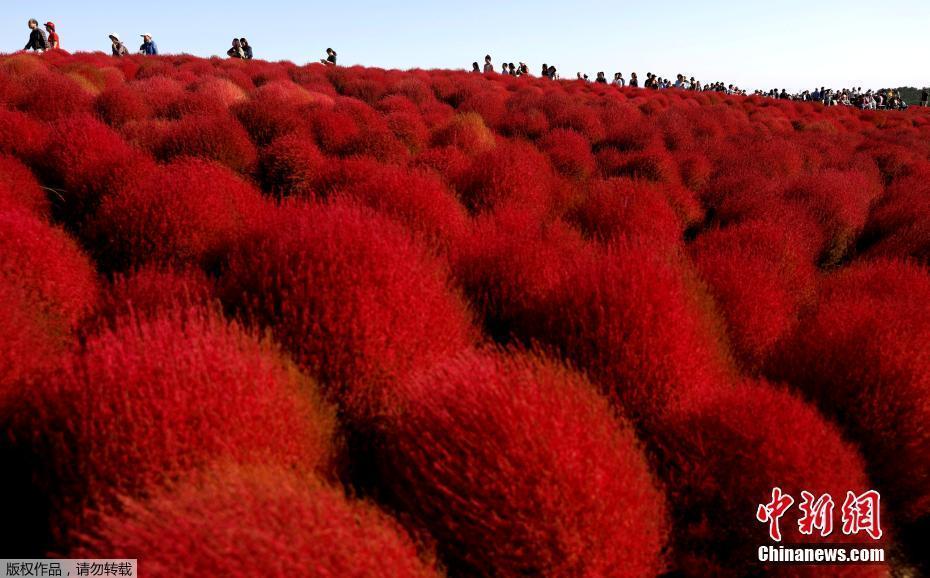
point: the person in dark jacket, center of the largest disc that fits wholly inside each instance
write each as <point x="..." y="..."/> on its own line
<point x="330" y="59"/>
<point x="246" y="48"/>
<point x="119" y="49"/>
<point x="37" y="39"/>
<point x="236" y="50"/>
<point x="475" y="67"/>
<point x="53" y="42"/>
<point x="148" y="46"/>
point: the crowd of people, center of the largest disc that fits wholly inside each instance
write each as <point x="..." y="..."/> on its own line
<point x="48" y="39"/>
<point x="883" y="99"/>
<point x="44" y="40"/>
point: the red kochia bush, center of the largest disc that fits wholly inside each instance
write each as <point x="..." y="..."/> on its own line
<point x="19" y="188"/>
<point x="86" y="158"/>
<point x="416" y="198"/>
<point x="46" y="264"/>
<point x="863" y="354"/>
<point x="53" y="96"/>
<point x="158" y="397"/>
<point x="510" y="264"/>
<point x="519" y="468"/>
<point x="291" y="166"/>
<point x="840" y="202"/>
<point x="30" y="347"/>
<point x="245" y="522"/>
<point x="760" y="279"/>
<point x="121" y="104"/>
<point x="159" y="93"/>
<point x="273" y="113"/>
<point x="569" y="152"/>
<point x="214" y="137"/>
<point x="351" y="295"/>
<point x="899" y="225"/>
<point x="149" y="292"/>
<point x="187" y="212"/>
<point x="466" y="132"/>
<point x="621" y="207"/>
<point x="20" y="135"/>
<point x="653" y="164"/>
<point x="725" y="451"/>
<point x="634" y="318"/>
<point x="513" y="174"/>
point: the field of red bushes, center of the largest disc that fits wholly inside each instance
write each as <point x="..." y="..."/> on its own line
<point x="261" y="319"/>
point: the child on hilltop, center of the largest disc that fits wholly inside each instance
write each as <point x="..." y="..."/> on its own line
<point x="53" y="41"/>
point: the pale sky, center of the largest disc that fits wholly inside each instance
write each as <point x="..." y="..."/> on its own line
<point x="787" y="44"/>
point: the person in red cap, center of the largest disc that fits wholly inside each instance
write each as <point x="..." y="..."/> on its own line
<point x="53" y="42"/>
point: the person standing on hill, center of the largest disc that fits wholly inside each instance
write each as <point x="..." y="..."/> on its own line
<point x="53" y="42"/>
<point x="37" y="39"/>
<point x="119" y="49"/>
<point x="236" y="50"/>
<point x="148" y="46"/>
<point x="601" y="78"/>
<point x="246" y="49"/>
<point x="475" y="67"/>
<point x="634" y="80"/>
<point x="488" y="66"/>
<point x="924" y="97"/>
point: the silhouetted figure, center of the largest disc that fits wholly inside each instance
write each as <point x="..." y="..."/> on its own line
<point x="148" y="47"/>
<point x="116" y="45"/>
<point x="236" y="50"/>
<point x="246" y="49"/>
<point x="37" y="39"/>
<point x="330" y="59"/>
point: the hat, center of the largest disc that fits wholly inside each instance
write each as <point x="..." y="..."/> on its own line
<point x="144" y="34"/>
<point x="50" y="25"/>
<point x="115" y="36"/>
